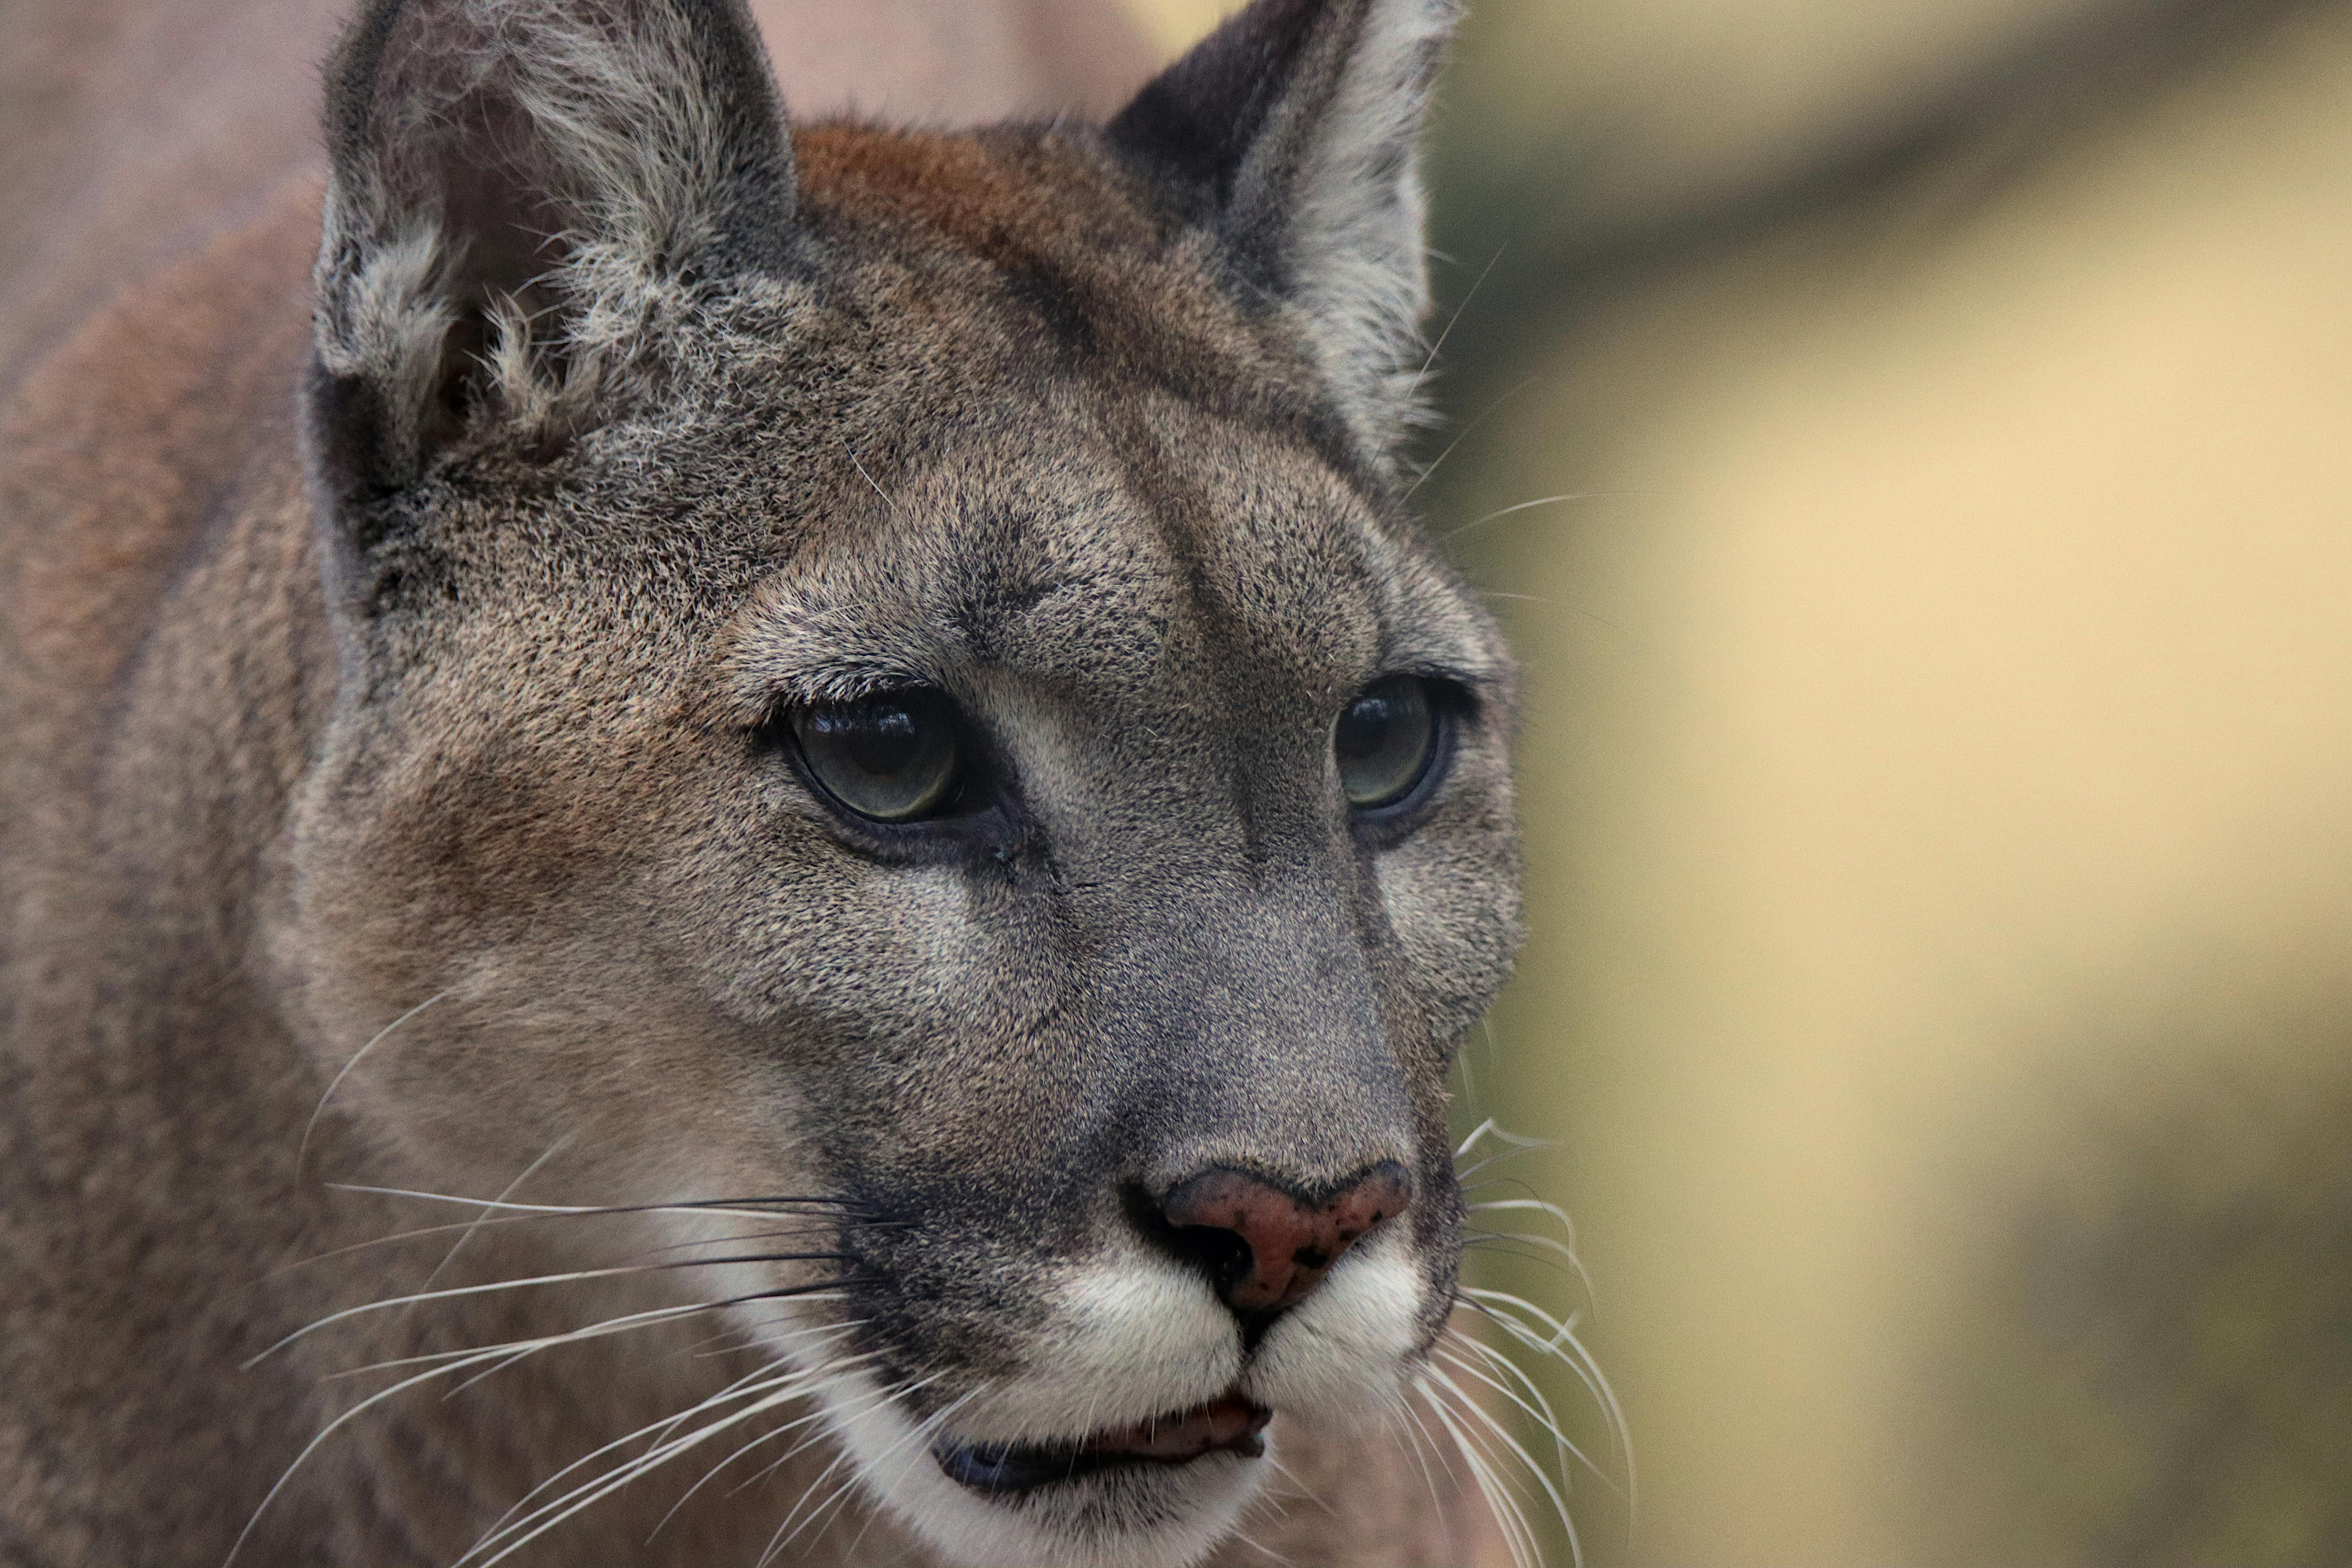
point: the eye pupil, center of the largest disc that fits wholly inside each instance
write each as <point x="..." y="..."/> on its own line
<point x="882" y="742"/>
<point x="1384" y="740"/>
<point x="891" y="757"/>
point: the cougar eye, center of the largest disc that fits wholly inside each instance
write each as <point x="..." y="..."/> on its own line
<point x="1384" y="741"/>
<point x="890" y="756"/>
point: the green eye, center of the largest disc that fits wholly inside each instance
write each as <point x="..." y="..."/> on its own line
<point x="1384" y="740"/>
<point x="891" y="756"/>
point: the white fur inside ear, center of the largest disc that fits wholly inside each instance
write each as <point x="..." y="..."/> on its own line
<point x="381" y="316"/>
<point x="1359" y="264"/>
<point x="614" y="129"/>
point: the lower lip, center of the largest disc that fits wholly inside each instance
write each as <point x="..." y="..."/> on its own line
<point x="1226" y="1425"/>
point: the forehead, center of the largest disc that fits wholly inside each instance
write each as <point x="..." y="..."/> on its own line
<point x="1107" y="552"/>
<point x="1139" y="484"/>
<point x="1078" y="554"/>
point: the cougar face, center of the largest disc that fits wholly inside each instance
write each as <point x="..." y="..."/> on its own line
<point x="893" y="672"/>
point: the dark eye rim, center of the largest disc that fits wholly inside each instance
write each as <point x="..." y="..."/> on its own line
<point x="976" y="813"/>
<point x="917" y="700"/>
<point x="1451" y="705"/>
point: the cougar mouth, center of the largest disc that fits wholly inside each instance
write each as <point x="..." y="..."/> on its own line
<point x="1228" y="1424"/>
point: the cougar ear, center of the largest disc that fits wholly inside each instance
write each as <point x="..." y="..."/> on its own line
<point x="1294" y="129"/>
<point x="522" y="193"/>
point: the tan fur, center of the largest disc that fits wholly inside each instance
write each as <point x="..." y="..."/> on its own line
<point x="312" y="877"/>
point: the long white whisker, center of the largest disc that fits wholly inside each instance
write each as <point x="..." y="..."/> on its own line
<point x="1517" y="1534"/>
<point x="1400" y="1416"/>
<point x="767" y="1436"/>
<point x="828" y="1370"/>
<point x="303" y="1149"/>
<point x="1472" y="1141"/>
<point x="457" y="1291"/>
<point x="1472" y="293"/>
<point x="1539" y="1411"/>
<point x="748" y="1387"/>
<point x="1541" y="1477"/>
<point x="780" y="1540"/>
<point x="1566" y="1251"/>
<point x="918" y="1435"/>
<point x="475" y="1225"/>
<point x="724" y="1208"/>
<point x="1455" y="533"/>
<point x="611" y="1325"/>
<point x="781" y="1390"/>
<point x="1569" y="1352"/>
<point x="565" y="1337"/>
<point x="1464" y="434"/>
<point x="1562" y="1337"/>
<point x="745" y="1387"/>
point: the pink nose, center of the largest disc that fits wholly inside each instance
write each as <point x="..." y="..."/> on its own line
<point x="1286" y="1244"/>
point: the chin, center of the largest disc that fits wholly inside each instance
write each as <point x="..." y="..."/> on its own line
<point x="1159" y="1493"/>
<point x="1129" y="1448"/>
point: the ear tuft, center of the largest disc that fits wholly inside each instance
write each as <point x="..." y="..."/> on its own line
<point x="1295" y="129"/>
<point x="522" y="194"/>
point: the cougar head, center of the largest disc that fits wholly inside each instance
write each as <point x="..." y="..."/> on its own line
<point x="896" y="670"/>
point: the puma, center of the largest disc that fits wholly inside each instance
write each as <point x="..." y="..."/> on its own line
<point x="760" y="844"/>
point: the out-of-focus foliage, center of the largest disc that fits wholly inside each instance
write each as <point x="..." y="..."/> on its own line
<point x="1938" y="754"/>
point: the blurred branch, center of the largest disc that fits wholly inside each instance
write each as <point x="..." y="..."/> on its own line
<point x="1554" y="264"/>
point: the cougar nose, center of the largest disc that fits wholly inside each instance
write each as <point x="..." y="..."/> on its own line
<point x="1265" y="1247"/>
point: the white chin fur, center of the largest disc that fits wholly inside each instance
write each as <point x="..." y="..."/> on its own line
<point x="1130" y="1340"/>
<point x="1146" y="1517"/>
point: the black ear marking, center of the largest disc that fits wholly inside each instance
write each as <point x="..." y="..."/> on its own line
<point x="1197" y="120"/>
<point x="518" y="188"/>
<point x="1293" y="131"/>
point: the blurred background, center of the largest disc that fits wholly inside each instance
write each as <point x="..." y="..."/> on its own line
<point x="1928" y="428"/>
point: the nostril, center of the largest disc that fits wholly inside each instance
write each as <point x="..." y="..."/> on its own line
<point x="1220" y="1254"/>
<point x="1264" y="1246"/>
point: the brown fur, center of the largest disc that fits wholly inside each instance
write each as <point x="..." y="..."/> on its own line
<point x="306" y="741"/>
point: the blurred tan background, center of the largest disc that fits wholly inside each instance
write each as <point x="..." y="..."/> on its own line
<point x="1939" y="767"/>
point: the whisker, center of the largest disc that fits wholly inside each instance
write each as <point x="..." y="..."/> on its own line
<point x="1261" y="1547"/>
<point x="1470" y="1142"/>
<point x="1563" y="1346"/>
<point x="612" y="1325"/>
<point x="573" y="1278"/>
<point x="829" y="1370"/>
<point x="1490" y="1206"/>
<point x="781" y="1390"/>
<point x="919" y="1435"/>
<point x="475" y="1224"/>
<point x="1517" y="1534"/>
<point x="780" y="1538"/>
<point x="1394" y="1419"/>
<point x="1455" y="533"/>
<point x="819" y="1225"/>
<point x="738" y="1389"/>
<point x="311" y="1126"/>
<point x="1414" y="389"/>
<point x="550" y="1339"/>
<point x="1463" y="1175"/>
<point x="661" y="1427"/>
<point x="1574" y="1264"/>
<point x="1464" y="434"/>
<point x="1541" y="1477"/>
<point x="739" y="1208"/>
<point x="1539" y="1411"/>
